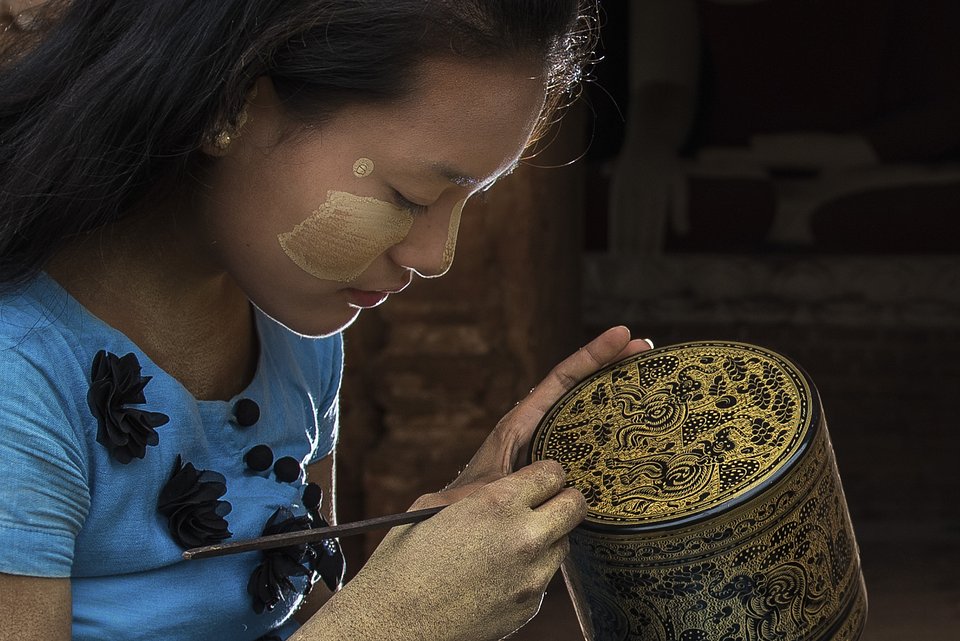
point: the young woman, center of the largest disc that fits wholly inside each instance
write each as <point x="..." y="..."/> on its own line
<point x="195" y="199"/>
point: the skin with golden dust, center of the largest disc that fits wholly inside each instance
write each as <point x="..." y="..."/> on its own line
<point x="363" y="167"/>
<point x="451" y="247"/>
<point x="345" y="235"/>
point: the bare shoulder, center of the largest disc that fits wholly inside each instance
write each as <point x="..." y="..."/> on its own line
<point x="34" y="609"/>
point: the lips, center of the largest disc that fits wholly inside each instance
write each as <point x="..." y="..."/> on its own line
<point x="365" y="299"/>
<point x="372" y="297"/>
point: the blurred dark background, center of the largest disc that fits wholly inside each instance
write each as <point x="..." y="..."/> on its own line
<point x="782" y="172"/>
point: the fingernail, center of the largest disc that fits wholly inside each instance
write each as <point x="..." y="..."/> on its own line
<point x="649" y="342"/>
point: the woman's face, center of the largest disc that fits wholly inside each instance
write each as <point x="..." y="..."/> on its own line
<point x="317" y="225"/>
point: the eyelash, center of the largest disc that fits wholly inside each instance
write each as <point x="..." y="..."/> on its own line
<point x="414" y="208"/>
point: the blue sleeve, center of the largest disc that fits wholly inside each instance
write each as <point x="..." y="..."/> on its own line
<point x="44" y="496"/>
<point x="328" y="408"/>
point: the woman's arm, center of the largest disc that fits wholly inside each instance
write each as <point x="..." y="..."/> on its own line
<point x="34" y="609"/>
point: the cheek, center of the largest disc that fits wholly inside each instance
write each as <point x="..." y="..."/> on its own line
<point x="347" y="233"/>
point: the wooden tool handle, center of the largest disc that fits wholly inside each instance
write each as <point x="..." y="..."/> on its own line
<point x="309" y="536"/>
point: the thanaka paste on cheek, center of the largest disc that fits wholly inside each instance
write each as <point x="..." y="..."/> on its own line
<point x="451" y="247"/>
<point x="347" y="233"/>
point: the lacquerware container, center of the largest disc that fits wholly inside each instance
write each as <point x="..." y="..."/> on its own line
<point x="715" y="507"/>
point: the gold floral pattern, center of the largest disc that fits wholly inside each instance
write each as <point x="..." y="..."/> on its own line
<point x="737" y="528"/>
<point x="676" y="431"/>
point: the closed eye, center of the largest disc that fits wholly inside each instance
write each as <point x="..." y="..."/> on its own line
<point x="405" y="203"/>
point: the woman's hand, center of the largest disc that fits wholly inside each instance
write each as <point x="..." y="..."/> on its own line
<point x="476" y="571"/>
<point x="506" y="446"/>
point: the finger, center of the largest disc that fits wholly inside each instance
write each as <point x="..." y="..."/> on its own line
<point x="529" y="486"/>
<point x="429" y="500"/>
<point x="634" y="347"/>
<point x="552" y="559"/>
<point x="516" y="428"/>
<point x="565" y="511"/>
<point x="555" y="519"/>
<point x="588" y="359"/>
<point x="560" y="550"/>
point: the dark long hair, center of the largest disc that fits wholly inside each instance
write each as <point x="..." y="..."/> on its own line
<point x="113" y="98"/>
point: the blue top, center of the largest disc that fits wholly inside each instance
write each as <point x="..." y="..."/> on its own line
<point x="77" y="500"/>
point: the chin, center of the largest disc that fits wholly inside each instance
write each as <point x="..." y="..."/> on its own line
<point x="315" y="325"/>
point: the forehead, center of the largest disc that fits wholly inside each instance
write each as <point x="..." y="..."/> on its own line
<point x="464" y="118"/>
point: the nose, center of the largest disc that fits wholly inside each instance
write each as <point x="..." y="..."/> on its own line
<point x="429" y="246"/>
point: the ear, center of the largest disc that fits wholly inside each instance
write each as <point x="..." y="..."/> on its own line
<point x="219" y="142"/>
<point x="19" y="15"/>
<point x="6" y="17"/>
<point x="217" y="145"/>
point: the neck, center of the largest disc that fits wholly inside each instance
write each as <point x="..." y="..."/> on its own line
<point x="148" y="277"/>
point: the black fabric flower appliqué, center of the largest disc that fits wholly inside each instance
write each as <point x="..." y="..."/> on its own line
<point x="190" y="501"/>
<point x="270" y="583"/>
<point x="115" y="383"/>
<point x="326" y="558"/>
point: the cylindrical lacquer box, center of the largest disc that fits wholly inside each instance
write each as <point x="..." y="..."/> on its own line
<point x="715" y="508"/>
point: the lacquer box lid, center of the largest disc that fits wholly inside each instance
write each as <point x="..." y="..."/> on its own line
<point x="680" y="434"/>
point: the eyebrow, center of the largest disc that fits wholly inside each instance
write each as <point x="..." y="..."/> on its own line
<point x="462" y="179"/>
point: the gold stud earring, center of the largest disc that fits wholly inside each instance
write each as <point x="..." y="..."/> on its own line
<point x="222" y="140"/>
<point x="23" y="22"/>
<point x="26" y="21"/>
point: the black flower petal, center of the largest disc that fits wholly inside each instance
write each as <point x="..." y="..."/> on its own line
<point x="190" y="501"/>
<point x="312" y="497"/>
<point x="115" y="383"/>
<point x="270" y="583"/>
<point x="326" y="558"/>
